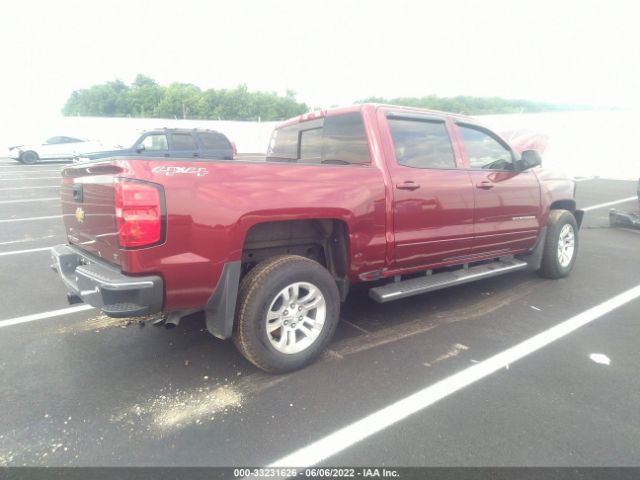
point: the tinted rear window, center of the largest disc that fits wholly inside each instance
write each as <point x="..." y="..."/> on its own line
<point x="311" y="145"/>
<point x="184" y="141"/>
<point x="338" y="140"/>
<point x="214" y="141"/>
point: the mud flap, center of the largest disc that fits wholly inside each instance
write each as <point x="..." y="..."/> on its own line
<point x="534" y="256"/>
<point x="221" y="307"/>
<point x="578" y="215"/>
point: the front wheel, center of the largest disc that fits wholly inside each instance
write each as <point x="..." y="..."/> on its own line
<point x="561" y="245"/>
<point x="29" y="157"/>
<point x="288" y="310"/>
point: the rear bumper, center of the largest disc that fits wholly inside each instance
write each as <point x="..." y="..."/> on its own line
<point x="103" y="286"/>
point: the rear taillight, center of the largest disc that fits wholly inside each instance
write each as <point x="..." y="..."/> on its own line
<point x="139" y="213"/>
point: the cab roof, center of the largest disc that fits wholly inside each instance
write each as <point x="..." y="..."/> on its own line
<point x="357" y="108"/>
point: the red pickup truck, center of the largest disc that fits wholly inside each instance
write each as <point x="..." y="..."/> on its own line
<point x="407" y="200"/>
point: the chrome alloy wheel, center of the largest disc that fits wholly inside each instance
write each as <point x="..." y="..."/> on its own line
<point x="295" y="317"/>
<point x="566" y="245"/>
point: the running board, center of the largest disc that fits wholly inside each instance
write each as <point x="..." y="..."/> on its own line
<point x="429" y="283"/>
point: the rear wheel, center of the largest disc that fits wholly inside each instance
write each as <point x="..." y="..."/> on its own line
<point x="288" y="309"/>
<point x="29" y="157"/>
<point x="561" y="245"/>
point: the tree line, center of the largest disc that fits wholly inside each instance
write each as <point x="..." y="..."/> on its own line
<point x="468" y="105"/>
<point x="145" y="98"/>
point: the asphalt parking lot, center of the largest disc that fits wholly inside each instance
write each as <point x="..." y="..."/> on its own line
<point x="82" y="389"/>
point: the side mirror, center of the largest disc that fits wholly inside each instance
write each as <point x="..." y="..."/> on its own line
<point x="140" y="148"/>
<point x="529" y="159"/>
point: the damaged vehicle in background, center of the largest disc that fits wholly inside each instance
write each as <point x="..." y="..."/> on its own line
<point x="620" y="218"/>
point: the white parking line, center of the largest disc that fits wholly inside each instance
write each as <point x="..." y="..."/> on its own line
<point x="23" y="240"/>
<point x="27" y="178"/>
<point x="356" y="432"/>
<point x="15" y="172"/>
<point x="608" y="204"/>
<point x="42" y="316"/>
<point x="31" y="168"/>
<point x="16" y="252"/>
<point x="27" y="165"/>
<point x="8" y="220"/>
<point x="27" y="188"/>
<point x="39" y="178"/>
<point x="357" y="327"/>
<point x="26" y="200"/>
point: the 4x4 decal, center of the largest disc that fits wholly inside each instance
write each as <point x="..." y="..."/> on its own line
<point x="171" y="171"/>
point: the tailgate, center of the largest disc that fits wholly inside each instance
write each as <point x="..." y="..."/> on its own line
<point x="88" y="208"/>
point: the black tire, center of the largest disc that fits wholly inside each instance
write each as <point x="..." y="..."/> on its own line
<point x="259" y="290"/>
<point x="29" y="157"/>
<point x="552" y="266"/>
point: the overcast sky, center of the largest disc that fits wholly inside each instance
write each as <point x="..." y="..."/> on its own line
<point x="329" y="52"/>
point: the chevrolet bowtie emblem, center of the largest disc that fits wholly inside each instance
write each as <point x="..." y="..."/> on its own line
<point x="79" y="215"/>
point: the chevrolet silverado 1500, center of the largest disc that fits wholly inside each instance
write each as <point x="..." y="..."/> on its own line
<point x="406" y="200"/>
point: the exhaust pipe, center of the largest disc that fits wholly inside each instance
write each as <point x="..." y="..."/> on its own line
<point x="173" y="319"/>
<point x="72" y="298"/>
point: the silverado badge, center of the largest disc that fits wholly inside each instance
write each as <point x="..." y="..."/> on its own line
<point x="79" y="214"/>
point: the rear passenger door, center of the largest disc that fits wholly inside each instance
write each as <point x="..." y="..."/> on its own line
<point x="432" y="196"/>
<point x="183" y="145"/>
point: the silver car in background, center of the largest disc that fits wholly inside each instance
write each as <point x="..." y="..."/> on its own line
<point x="54" y="148"/>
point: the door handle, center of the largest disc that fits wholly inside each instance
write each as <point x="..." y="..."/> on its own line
<point x="409" y="185"/>
<point x="485" y="185"/>
<point x="196" y="154"/>
<point x="167" y="154"/>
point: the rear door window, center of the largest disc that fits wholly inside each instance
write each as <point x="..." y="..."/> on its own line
<point x="421" y="144"/>
<point x="184" y="142"/>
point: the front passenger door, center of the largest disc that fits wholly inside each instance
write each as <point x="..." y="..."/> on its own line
<point x="506" y="201"/>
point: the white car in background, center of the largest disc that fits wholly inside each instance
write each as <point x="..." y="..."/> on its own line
<point x="54" y="148"/>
